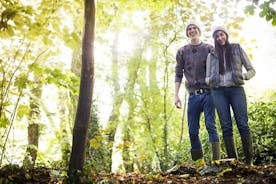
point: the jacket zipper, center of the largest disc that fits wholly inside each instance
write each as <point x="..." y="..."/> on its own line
<point x="224" y="64"/>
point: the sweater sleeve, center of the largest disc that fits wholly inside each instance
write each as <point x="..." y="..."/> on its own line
<point x="250" y="71"/>
<point x="179" y="67"/>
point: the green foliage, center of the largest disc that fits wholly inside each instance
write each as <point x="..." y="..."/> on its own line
<point x="55" y="75"/>
<point x="22" y="110"/>
<point x="4" y="121"/>
<point x="250" y="9"/>
<point x="97" y="159"/>
<point x="267" y="10"/>
<point x="21" y="81"/>
<point x="14" y="15"/>
<point x="262" y="115"/>
<point x="33" y="34"/>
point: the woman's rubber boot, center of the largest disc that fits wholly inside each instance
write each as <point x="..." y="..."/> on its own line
<point x="247" y="148"/>
<point x="230" y="147"/>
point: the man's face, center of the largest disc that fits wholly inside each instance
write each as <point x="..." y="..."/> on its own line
<point x="193" y="31"/>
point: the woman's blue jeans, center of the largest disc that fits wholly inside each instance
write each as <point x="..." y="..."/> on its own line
<point x="234" y="97"/>
<point x="196" y="105"/>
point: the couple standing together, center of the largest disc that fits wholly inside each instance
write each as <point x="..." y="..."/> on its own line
<point x="214" y="80"/>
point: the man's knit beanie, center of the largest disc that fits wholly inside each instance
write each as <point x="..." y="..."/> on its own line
<point x="192" y="23"/>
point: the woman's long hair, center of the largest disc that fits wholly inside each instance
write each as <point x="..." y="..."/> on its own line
<point x="228" y="55"/>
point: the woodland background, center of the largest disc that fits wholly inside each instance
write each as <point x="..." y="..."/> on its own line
<point x="134" y="125"/>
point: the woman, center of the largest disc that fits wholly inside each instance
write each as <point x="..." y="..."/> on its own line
<point x="225" y="77"/>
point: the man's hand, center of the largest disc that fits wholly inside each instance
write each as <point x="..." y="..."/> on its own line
<point x="177" y="102"/>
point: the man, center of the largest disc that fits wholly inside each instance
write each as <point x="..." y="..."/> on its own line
<point x="191" y="61"/>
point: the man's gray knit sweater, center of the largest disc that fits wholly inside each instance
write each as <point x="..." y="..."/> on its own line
<point x="191" y="60"/>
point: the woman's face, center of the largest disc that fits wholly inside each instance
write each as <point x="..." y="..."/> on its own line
<point x="221" y="37"/>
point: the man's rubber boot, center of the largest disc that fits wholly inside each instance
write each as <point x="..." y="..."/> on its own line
<point x="197" y="154"/>
<point x="230" y="147"/>
<point x="213" y="168"/>
<point x="215" y="150"/>
<point x="247" y="148"/>
<point x="197" y="157"/>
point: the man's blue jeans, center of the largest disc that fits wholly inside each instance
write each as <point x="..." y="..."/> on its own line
<point x="234" y="97"/>
<point x="196" y="105"/>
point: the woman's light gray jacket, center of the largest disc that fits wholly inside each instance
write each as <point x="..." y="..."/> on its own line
<point x="240" y="59"/>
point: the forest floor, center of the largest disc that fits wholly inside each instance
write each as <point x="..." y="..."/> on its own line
<point x="230" y="173"/>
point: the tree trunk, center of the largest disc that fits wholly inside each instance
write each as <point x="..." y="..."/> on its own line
<point x="117" y="96"/>
<point x="148" y="123"/>
<point x="165" y="116"/>
<point x="63" y="133"/>
<point x="33" y="128"/>
<point x="150" y="116"/>
<point x="86" y="91"/>
<point x="127" y="160"/>
<point x="133" y="69"/>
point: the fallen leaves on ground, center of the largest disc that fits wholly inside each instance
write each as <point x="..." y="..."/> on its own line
<point x="230" y="173"/>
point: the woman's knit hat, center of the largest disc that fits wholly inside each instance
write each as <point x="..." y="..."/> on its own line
<point x="192" y="23"/>
<point x="219" y="28"/>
